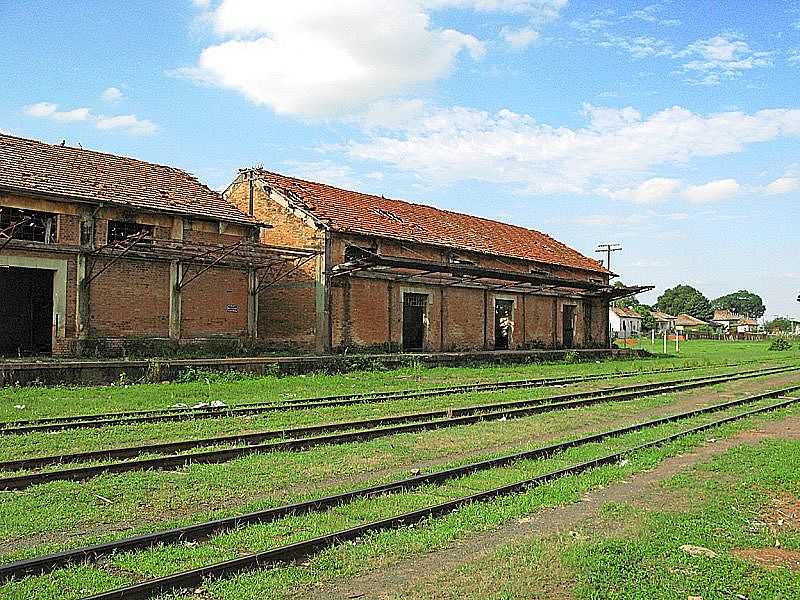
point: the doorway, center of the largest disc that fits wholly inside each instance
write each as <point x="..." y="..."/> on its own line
<point x="569" y="326"/>
<point x="503" y="319"/>
<point x="414" y="310"/>
<point x="26" y="313"/>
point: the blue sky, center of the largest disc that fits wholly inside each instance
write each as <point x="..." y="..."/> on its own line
<point x="670" y="127"/>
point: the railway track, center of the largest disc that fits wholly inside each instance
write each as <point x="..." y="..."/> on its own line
<point x="353" y="431"/>
<point x="304" y="549"/>
<point x="252" y="408"/>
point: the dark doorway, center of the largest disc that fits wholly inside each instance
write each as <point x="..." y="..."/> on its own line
<point x="503" y="311"/>
<point x="414" y="306"/>
<point x="569" y="326"/>
<point x="26" y="311"/>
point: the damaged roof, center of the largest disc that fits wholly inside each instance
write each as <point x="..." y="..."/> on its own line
<point x="627" y="313"/>
<point x="366" y="214"/>
<point x="46" y="169"/>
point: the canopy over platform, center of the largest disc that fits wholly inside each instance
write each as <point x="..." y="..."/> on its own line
<point x="460" y="274"/>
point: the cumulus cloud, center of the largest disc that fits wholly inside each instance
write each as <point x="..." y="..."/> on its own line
<point x="127" y="123"/>
<point x="616" y="150"/>
<point x="783" y="185"/>
<point x="327" y="59"/>
<point x="111" y="95"/>
<point x="519" y="38"/>
<point x="50" y="111"/>
<point x="331" y="59"/>
<point x="713" y="191"/>
<point x="653" y="190"/>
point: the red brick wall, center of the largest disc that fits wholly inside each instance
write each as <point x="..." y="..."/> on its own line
<point x="130" y="299"/>
<point x="205" y="301"/>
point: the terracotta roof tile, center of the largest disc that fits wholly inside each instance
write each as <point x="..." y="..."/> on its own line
<point x="74" y="172"/>
<point x="628" y="313"/>
<point x="366" y="214"/>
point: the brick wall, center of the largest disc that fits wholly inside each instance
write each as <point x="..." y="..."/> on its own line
<point x="215" y="304"/>
<point x="130" y="299"/>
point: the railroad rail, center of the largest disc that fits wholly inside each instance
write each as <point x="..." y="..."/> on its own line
<point x="375" y="428"/>
<point x="180" y="414"/>
<point x="306" y="548"/>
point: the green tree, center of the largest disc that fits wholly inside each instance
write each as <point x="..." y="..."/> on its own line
<point x="648" y="320"/>
<point x="742" y="302"/>
<point x="779" y="324"/>
<point x="685" y="299"/>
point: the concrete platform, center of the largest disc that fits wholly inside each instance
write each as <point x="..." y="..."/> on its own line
<point x="48" y="371"/>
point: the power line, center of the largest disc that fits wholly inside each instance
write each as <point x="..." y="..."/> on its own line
<point x="608" y="249"/>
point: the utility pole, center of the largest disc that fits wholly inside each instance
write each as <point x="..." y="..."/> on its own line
<point x="607" y="249"/>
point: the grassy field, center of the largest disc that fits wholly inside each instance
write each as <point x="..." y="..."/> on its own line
<point x="62" y="515"/>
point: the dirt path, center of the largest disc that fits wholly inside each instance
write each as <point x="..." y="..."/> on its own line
<point x="398" y="577"/>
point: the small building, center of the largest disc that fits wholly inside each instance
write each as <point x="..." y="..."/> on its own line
<point x="747" y="325"/>
<point x="727" y="319"/>
<point x="664" y="322"/>
<point x="624" y="322"/>
<point x="684" y="322"/>
<point x="395" y="275"/>
<point x="104" y="254"/>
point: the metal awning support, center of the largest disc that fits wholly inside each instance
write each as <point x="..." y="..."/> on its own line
<point x="265" y="281"/>
<point x="370" y="260"/>
<point x="226" y="251"/>
<point x="497" y="279"/>
<point x="127" y="246"/>
<point x="624" y="291"/>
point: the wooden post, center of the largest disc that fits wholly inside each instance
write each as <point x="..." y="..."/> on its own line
<point x="665" y="339"/>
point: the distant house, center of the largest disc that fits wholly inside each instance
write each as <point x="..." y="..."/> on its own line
<point x="625" y="322"/>
<point x="684" y="322"/>
<point x="747" y="325"/>
<point x="795" y="326"/>
<point x="727" y="319"/>
<point x="664" y="322"/>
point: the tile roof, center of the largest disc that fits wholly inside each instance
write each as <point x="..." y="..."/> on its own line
<point x="627" y="313"/>
<point x="685" y="320"/>
<point x="33" y="166"/>
<point x="366" y="214"/>
<point x="725" y="315"/>
<point x="662" y="316"/>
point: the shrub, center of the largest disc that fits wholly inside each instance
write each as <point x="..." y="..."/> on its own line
<point x="780" y="345"/>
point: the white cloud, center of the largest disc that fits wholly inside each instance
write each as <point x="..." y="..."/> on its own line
<point x="50" y="111"/>
<point x="519" y="38"/>
<point x="638" y="47"/>
<point x="724" y="56"/>
<point x="794" y="57"/>
<point x="333" y="58"/>
<point x="713" y="191"/>
<point x="651" y="191"/>
<point x="618" y="149"/>
<point x="111" y="95"/>
<point x="783" y="185"/>
<point x="127" y="123"/>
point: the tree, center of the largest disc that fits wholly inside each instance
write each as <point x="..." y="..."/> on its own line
<point x="779" y="324"/>
<point x="742" y="302"/>
<point x="648" y="320"/>
<point x="685" y="299"/>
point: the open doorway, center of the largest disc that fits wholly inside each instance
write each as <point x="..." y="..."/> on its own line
<point x="26" y="312"/>
<point x="569" y="325"/>
<point x="414" y="309"/>
<point x="503" y="323"/>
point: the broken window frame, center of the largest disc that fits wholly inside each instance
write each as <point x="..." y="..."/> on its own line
<point x="27" y="225"/>
<point x="121" y="231"/>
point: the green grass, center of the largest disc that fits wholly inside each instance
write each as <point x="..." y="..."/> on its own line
<point x="61" y="515"/>
<point x="633" y="552"/>
<point x="43" y="402"/>
<point x="381" y="548"/>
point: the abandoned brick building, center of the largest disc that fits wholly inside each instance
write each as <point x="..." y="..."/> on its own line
<point x="98" y="251"/>
<point x="394" y="275"/>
